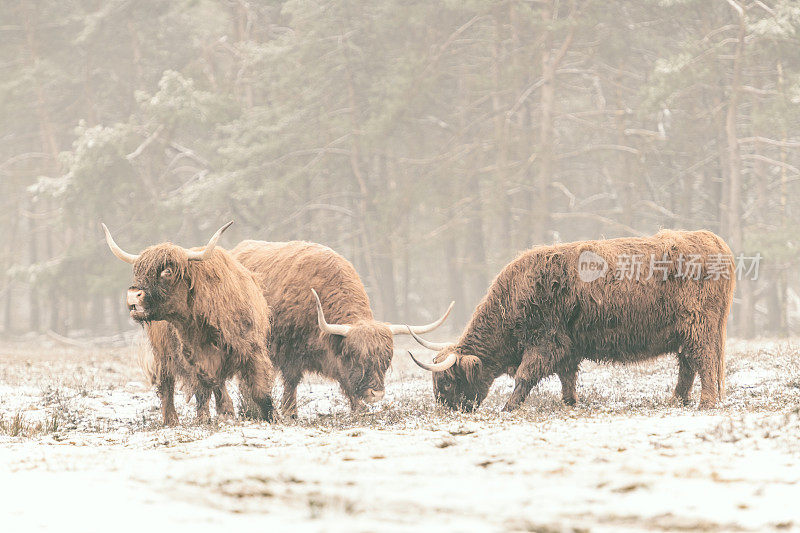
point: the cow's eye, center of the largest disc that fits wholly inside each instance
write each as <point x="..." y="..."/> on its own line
<point x="166" y="273"/>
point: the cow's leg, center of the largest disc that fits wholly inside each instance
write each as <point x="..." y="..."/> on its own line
<point x="686" y="374"/>
<point x="703" y="347"/>
<point x="711" y="377"/>
<point x="290" y="382"/>
<point x="223" y="402"/>
<point x="202" y="395"/>
<point x="705" y="360"/>
<point x="257" y="378"/>
<point x="531" y="370"/>
<point x="166" y="391"/>
<point x="568" y="374"/>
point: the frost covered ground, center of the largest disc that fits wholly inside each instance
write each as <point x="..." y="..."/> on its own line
<point x="82" y="450"/>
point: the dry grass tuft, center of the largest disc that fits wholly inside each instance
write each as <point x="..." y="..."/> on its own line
<point x="18" y="426"/>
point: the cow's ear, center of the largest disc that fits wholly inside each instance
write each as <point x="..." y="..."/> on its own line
<point x="471" y="366"/>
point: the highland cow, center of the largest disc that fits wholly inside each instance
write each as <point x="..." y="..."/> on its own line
<point x="220" y="318"/>
<point x="619" y="300"/>
<point x="322" y="321"/>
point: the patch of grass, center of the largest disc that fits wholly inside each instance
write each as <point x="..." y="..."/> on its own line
<point x="18" y="426"/>
<point x="55" y="398"/>
<point x="14" y="427"/>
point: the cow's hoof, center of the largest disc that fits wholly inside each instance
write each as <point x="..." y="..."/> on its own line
<point x="680" y="401"/>
<point x="708" y="404"/>
<point x="170" y="418"/>
<point x="570" y="402"/>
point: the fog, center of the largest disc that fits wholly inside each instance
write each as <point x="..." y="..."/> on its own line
<point x="427" y="142"/>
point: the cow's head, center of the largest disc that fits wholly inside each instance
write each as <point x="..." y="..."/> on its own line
<point x="161" y="281"/>
<point x="458" y="378"/>
<point x="367" y="347"/>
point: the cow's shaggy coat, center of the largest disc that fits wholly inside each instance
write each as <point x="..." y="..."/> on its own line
<point x="286" y="272"/>
<point x="220" y="320"/>
<point x="355" y="350"/>
<point x="163" y="365"/>
<point x="539" y="317"/>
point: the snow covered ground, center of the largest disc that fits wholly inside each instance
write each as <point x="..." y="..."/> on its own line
<point x="82" y="450"/>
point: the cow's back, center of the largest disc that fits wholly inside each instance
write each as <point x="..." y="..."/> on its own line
<point x="629" y="312"/>
<point x="286" y="272"/>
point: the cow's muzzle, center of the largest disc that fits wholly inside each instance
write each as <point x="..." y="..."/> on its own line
<point x="373" y="395"/>
<point x="135" y="305"/>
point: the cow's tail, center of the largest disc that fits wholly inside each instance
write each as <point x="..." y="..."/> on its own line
<point x="721" y="368"/>
<point x="722" y="340"/>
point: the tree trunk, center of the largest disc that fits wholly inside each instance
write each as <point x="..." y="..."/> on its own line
<point x="34" y="313"/>
<point x="734" y="213"/>
<point x="551" y="59"/>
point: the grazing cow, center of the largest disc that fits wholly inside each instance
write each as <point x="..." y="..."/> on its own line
<point x="329" y="330"/>
<point x="618" y="300"/>
<point x="219" y="316"/>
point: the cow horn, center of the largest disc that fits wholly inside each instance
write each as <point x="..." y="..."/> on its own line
<point x="449" y="361"/>
<point x="435" y="346"/>
<point x="119" y="252"/>
<point x="333" y="329"/>
<point x="400" y="329"/>
<point x="206" y="252"/>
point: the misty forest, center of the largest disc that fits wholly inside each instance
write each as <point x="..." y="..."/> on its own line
<point x="427" y="142"/>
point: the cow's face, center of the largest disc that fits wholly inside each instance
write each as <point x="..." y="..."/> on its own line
<point x="461" y="387"/>
<point x="161" y="283"/>
<point x="160" y="288"/>
<point x="366" y="355"/>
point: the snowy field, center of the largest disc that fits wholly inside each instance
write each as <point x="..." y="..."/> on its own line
<point x="82" y="450"/>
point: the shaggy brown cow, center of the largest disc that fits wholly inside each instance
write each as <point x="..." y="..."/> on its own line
<point x="542" y="315"/>
<point x="354" y="349"/>
<point x="217" y="310"/>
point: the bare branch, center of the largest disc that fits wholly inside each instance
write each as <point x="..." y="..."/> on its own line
<point x="735" y="5"/>
<point x="147" y="142"/>
<point x="189" y="152"/>
<point x="596" y="147"/>
<point x="661" y="209"/>
<point x="599" y="218"/>
<point x="765" y="159"/>
<point x="766" y="140"/>
<point x="765" y="7"/>
<point x="644" y="133"/>
<point x="563" y="188"/>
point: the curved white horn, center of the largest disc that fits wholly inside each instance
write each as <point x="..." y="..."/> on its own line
<point x="435" y="346"/>
<point x="119" y="252"/>
<point x="449" y="361"/>
<point x="401" y="329"/>
<point x="333" y="329"/>
<point x="206" y="252"/>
